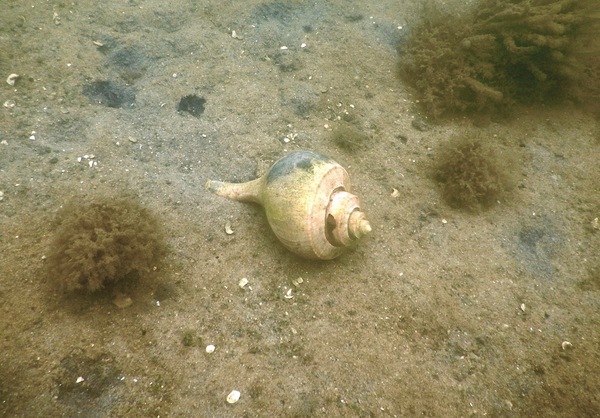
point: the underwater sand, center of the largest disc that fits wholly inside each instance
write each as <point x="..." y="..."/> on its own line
<point x="438" y="313"/>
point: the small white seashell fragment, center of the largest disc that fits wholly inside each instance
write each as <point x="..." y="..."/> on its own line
<point x="522" y="307"/>
<point x="234" y="396"/>
<point x="283" y="48"/>
<point x="243" y="282"/>
<point x="395" y="193"/>
<point x="228" y="229"/>
<point x="210" y="348"/>
<point x="288" y="294"/>
<point x="79" y="379"/>
<point x="11" y="79"/>
<point x="566" y="345"/>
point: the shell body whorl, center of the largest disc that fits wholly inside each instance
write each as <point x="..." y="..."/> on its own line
<point x="307" y="203"/>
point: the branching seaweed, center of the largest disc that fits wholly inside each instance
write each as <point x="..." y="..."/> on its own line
<point x="505" y="51"/>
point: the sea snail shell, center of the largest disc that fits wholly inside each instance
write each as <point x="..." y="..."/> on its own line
<point x="307" y="202"/>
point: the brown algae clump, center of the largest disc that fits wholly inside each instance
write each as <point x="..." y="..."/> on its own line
<point x="101" y="242"/>
<point x="473" y="174"/>
<point x="349" y="138"/>
<point x="504" y="52"/>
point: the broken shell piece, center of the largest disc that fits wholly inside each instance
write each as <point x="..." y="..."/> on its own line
<point x="234" y="396"/>
<point x="243" y="282"/>
<point x="566" y="345"/>
<point x="395" y="193"/>
<point x="288" y="294"/>
<point x="210" y="348"/>
<point x="228" y="229"/>
<point x="12" y="78"/>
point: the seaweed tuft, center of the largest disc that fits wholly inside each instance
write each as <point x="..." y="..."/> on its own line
<point x="473" y="175"/>
<point x="505" y="52"/>
<point x="104" y="241"/>
<point x="349" y="138"/>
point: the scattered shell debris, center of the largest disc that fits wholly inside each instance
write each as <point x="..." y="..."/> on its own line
<point x="288" y="294"/>
<point x="243" y="282"/>
<point x="233" y="396"/>
<point x="298" y="281"/>
<point x="79" y="379"/>
<point x="228" y="229"/>
<point x="290" y="137"/>
<point x="12" y="78"/>
<point x="1" y="195"/>
<point x="9" y="104"/>
<point x="234" y="35"/>
<point x="522" y="307"/>
<point x="90" y="160"/>
<point x="395" y="193"/>
<point x="32" y="136"/>
<point x="132" y="139"/>
<point x="596" y="223"/>
<point x="210" y="348"/>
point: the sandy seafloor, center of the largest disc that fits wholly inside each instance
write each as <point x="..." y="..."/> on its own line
<point x="438" y="313"/>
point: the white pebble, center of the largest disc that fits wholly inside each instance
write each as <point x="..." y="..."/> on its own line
<point x="234" y="396"/>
